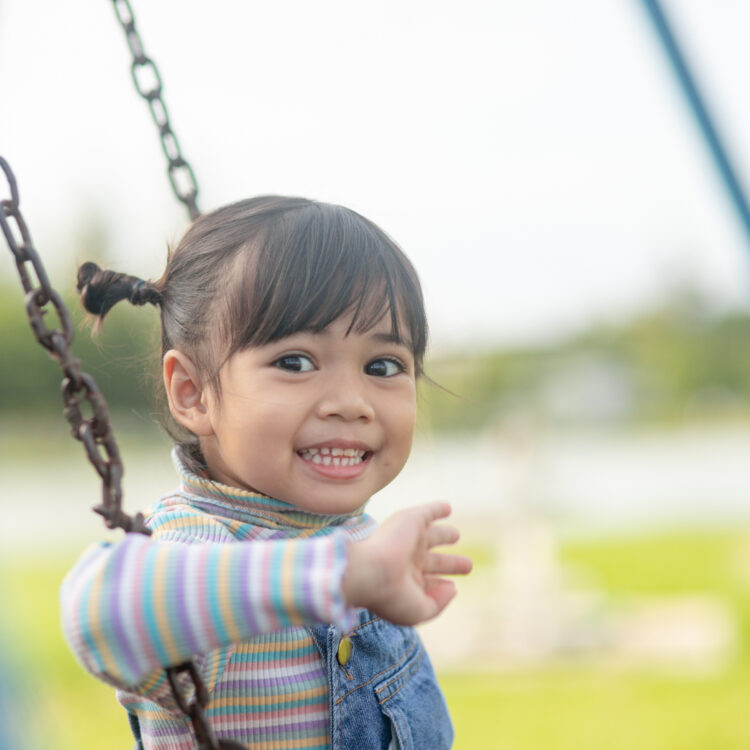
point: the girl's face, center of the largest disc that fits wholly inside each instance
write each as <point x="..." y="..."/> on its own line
<point x="319" y="420"/>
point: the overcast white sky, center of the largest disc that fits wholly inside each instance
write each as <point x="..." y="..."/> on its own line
<point x="535" y="159"/>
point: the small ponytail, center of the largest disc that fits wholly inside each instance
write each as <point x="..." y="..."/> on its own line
<point x="101" y="290"/>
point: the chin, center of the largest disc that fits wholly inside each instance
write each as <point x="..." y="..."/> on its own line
<point x="331" y="507"/>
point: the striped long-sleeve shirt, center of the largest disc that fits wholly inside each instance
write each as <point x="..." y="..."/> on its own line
<point x="228" y="577"/>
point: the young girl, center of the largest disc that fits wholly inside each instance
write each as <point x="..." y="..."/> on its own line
<point x="293" y="333"/>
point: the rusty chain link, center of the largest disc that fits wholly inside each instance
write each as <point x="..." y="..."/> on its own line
<point x="80" y="393"/>
<point x="78" y="388"/>
<point x="149" y="86"/>
<point x="193" y="709"/>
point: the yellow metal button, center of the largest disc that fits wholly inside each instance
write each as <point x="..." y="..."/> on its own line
<point x="345" y="650"/>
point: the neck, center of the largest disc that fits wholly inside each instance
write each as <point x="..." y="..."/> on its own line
<point x="252" y="507"/>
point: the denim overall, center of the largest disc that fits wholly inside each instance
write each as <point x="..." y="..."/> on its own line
<point x="385" y="696"/>
<point x="382" y="689"/>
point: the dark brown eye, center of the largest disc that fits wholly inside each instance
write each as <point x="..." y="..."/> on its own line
<point x="294" y="363"/>
<point x="384" y="368"/>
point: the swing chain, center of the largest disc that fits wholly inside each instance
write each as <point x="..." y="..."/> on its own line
<point x="148" y="84"/>
<point x="78" y="387"/>
<point x="80" y="394"/>
<point x="193" y="709"/>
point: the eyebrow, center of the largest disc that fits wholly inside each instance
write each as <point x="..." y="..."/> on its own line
<point x="390" y="338"/>
<point x="379" y="336"/>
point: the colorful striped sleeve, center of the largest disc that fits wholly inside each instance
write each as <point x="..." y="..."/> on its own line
<point x="142" y="604"/>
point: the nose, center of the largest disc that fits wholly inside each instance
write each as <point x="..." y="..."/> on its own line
<point x="346" y="398"/>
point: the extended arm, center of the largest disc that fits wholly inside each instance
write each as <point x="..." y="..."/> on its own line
<point x="141" y="604"/>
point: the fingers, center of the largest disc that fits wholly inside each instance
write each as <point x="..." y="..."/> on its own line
<point x="441" y="591"/>
<point x="441" y="534"/>
<point x="426" y="513"/>
<point x="440" y="564"/>
<point x="434" y="511"/>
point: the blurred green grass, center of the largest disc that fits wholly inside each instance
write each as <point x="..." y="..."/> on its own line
<point x="569" y="706"/>
<point x="589" y="709"/>
<point x="66" y="707"/>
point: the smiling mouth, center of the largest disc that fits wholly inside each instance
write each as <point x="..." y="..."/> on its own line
<point x="335" y="456"/>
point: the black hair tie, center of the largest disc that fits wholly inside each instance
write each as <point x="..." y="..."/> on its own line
<point x="137" y="291"/>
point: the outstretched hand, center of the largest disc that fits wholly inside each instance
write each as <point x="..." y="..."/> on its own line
<point x="397" y="574"/>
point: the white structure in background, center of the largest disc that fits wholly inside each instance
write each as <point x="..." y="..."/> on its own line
<point x="528" y="608"/>
<point x="537" y="614"/>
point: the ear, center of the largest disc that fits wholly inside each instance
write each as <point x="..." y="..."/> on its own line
<point x="186" y="395"/>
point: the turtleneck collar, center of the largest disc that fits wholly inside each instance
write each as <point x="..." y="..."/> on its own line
<point x="250" y="507"/>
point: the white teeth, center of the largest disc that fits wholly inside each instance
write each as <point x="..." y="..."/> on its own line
<point x="335" y="456"/>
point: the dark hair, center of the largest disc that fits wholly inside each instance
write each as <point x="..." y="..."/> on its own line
<point x="264" y="268"/>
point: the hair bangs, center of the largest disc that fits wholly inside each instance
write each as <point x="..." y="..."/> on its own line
<point x="315" y="264"/>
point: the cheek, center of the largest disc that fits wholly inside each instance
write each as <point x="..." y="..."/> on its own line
<point x="255" y="433"/>
<point x="268" y="429"/>
<point x="402" y="425"/>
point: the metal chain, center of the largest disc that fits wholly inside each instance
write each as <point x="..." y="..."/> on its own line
<point x="194" y="709"/>
<point x="79" y="388"/>
<point x="148" y="85"/>
<point x="80" y="392"/>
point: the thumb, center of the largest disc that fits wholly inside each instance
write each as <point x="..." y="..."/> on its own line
<point x="440" y="591"/>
